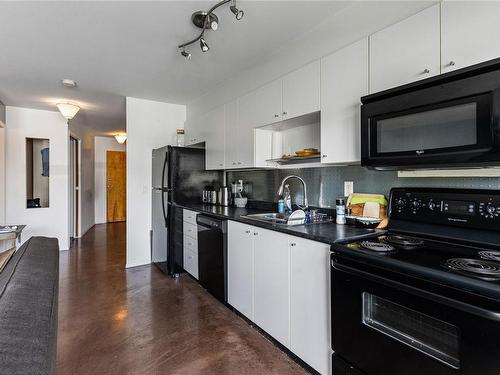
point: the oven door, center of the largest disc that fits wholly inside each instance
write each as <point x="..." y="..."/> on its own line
<point x="449" y="132"/>
<point x="381" y="326"/>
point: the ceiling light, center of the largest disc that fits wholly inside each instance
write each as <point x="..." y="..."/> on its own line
<point x="68" y="110"/>
<point x="68" y="83"/>
<point x="121" y="138"/>
<point x="204" y="46"/>
<point x="207" y="20"/>
<point x="186" y="54"/>
<point x="237" y="13"/>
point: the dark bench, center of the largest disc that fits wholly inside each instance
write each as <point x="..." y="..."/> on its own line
<point x="28" y="308"/>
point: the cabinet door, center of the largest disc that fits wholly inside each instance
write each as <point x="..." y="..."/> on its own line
<point x="244" y="140"/>
<point x="268" y="103"/>
<point x="271" y="284"/>
<point x="344" y="80"/>
<point x="231" y="134"/>
<point x="240" y="267"/>
<point x="310" y="302"/>
<point x="214" y="142"/>
<point x="469" y="32"/>
<point x="301" y="91"/>
<point x="406" y="51"/>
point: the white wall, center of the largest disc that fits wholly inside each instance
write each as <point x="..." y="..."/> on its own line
<point x="51" y="221"/>
<point x="101" y="145"/>
<point x="149" y="125"/>
<point x="86" y="137"/>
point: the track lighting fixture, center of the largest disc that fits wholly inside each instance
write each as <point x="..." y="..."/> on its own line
<point x="203" y="45"/>
<point x="237" y="13"/>
<point x="207" y="20"/>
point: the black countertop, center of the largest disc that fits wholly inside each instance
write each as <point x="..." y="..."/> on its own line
<point x="329" y="233"/>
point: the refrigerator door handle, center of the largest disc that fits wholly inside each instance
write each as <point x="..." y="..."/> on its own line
<point x="164" y="189"/>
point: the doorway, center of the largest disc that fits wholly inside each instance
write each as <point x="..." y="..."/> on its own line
<point x="116" y="186"/>
<point x="74" y="183"/>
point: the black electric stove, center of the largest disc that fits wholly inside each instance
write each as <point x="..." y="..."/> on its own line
<point x="427" y="290"/>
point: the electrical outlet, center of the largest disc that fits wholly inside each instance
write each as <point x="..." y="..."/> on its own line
<point x="348" y="188"/>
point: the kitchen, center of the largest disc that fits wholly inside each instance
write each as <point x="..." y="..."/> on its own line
<point x="342" y="298"/>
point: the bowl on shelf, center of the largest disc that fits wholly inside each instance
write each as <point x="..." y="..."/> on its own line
<point x="307" y="152"/>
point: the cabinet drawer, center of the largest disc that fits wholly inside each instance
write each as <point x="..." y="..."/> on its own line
<point x="189" y="216"/>
<point x="190" y="244"/>
<point x="191" y="263"/>
<point x="190" y="230"/>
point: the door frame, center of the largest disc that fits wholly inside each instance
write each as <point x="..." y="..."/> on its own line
<point x="77" y="229"/>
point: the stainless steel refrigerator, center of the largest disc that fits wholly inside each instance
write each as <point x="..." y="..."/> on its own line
<point x="179" y="176"/>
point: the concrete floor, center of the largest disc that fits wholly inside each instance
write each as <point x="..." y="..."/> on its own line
<point x="139" y="321"/>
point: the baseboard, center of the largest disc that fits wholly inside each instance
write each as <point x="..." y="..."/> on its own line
<point x="136" y="265"/>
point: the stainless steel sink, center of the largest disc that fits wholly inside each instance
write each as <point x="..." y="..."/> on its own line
<point x="283" y="219"/>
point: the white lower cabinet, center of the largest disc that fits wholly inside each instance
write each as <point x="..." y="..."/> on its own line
<point x="190" y="242"/>
<point x="240" y="267"/>
<point x="309" y="302"/>
<point x="272" y="284"/>
<point x="282" y="283"/>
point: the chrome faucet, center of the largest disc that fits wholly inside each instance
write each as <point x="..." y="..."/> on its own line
<point x="280" y="190"/>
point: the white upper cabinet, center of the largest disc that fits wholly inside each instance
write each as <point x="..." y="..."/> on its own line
<point x="214" y="140"/>
<point x="344" y="80"/>
<point x="406" y="51"/>
<point x="268" y="104"/>
<point x="310" y="302"/>
<point x="296" y="94"/>
<point x="301" y="91"/>
<point x="469" y="33"/>
<point x="240" y="267"/>
<point x="244" y="140"/>
<point x="272" y="284"/>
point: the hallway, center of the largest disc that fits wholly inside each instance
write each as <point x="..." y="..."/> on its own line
<point x="138" y="321"/>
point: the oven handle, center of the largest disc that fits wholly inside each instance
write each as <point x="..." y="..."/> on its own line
<point x="462" y="306"/>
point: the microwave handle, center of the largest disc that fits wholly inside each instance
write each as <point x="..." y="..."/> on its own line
<point x="462" y="306"/>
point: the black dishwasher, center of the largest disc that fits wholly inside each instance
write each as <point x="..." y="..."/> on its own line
<point x="212" y="255"/>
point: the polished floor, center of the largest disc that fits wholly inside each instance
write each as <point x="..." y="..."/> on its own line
<point x="138" y="321"/>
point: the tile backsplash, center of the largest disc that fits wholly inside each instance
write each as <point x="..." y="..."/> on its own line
<point x="326" y="184"/>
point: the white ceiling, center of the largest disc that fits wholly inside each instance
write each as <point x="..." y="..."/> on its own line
<point x="118" y="49"/>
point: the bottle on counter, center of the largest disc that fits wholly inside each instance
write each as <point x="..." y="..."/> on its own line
<point x="281" y="206"/>
<point x="340" y="211"/>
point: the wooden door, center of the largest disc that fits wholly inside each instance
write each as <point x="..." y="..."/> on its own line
<point x="116" y="191"/>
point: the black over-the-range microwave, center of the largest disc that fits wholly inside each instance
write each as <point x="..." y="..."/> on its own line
<point x="451" y="120"/>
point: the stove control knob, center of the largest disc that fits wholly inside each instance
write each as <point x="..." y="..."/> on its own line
<point x="400" y="202"/>
<point x="415" y="204"/>
<point x="491" y="209"/>
<point x="432" y="205"/>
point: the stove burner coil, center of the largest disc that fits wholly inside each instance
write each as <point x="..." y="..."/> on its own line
<point x="490" y="255"/>
<point x="482" y="268"/>
<point x="404" y="241"/>
<point x="377" y="246"/>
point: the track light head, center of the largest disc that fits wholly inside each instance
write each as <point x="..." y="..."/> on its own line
<point x="203" y="45"/>
<point x="186" y="54"/>
<point x="214" y="25"/>
<point x="237" y="13"/>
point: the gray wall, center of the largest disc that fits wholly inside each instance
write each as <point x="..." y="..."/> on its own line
<point x="327" y="183"/>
